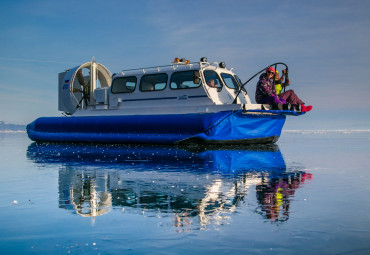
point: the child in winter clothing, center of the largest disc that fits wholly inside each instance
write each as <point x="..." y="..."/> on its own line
<point x="279" y="82"/>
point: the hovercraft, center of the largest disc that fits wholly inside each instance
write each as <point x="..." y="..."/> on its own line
<point x="181" y="103"/>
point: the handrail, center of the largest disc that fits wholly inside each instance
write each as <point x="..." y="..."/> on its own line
<point x="190" y="65"/>
<point x="275" y="64"/>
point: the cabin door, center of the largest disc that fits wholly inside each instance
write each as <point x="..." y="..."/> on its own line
<point x="215" y="88"/>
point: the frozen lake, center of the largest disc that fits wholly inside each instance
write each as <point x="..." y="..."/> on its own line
<point x="308" y="194"/>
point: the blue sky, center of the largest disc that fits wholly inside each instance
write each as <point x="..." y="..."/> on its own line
<point x="325" y="44"/>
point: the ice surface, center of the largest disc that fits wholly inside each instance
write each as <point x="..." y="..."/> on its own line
<point x="308" y="194"/>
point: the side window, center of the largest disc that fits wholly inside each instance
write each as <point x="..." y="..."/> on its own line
<point x="153" y="82"/>
<point x="183" y="80"/>
<point x="240" y="83"/>
<point x="239" y="80"/>
<point x="230" y="81"/>
<point x="212" y="79"/>
<point x="124" y="84"/>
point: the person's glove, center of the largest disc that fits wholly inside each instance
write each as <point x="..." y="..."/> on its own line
<point x="278" y="100"/>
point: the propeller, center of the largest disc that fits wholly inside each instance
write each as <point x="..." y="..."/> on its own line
<point x="84" y="90"/>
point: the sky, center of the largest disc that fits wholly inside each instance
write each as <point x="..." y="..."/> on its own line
<point x="326" y="45"/>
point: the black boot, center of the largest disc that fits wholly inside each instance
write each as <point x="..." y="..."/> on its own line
<point x="298" y="108"/>
<point x="277" y="106"/>
<point x="287" y="106"/>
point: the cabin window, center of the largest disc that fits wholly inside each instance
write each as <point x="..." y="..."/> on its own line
<point x="153" y="82"/>
<point x="183" y="80"/>
<point x="230" y="81"/>
<point x="124" y="84"/>
<point x="212" y="79"/>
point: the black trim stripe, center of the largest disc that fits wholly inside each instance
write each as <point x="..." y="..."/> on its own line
<point x="159" y="98"/>
<point x="197" y="96"/>
<point x="144" y="99"/>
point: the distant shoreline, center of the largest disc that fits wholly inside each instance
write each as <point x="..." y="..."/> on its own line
<point x="11" y="128"/>
<point x="12" y="131"/>
<point x="325" y="131"/>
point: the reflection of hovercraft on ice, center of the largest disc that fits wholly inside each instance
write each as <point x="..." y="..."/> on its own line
<point x="200" y="187"/>
<point x="223" y="159"/>
<point x="85" y="193"/>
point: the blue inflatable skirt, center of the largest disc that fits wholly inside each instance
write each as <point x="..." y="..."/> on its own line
<point x="227" y="127"/>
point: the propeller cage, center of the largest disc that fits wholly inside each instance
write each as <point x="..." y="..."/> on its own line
<point x="77" y="86"/>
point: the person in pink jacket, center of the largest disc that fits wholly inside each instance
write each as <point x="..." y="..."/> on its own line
<point x="266" y="93"/>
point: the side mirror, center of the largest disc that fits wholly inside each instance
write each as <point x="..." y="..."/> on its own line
<point x="196" y="77"/>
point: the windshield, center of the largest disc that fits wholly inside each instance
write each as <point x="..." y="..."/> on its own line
<point x="230" y="81"/>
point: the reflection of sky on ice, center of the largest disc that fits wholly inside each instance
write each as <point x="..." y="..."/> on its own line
<point x="197" y="186"/>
